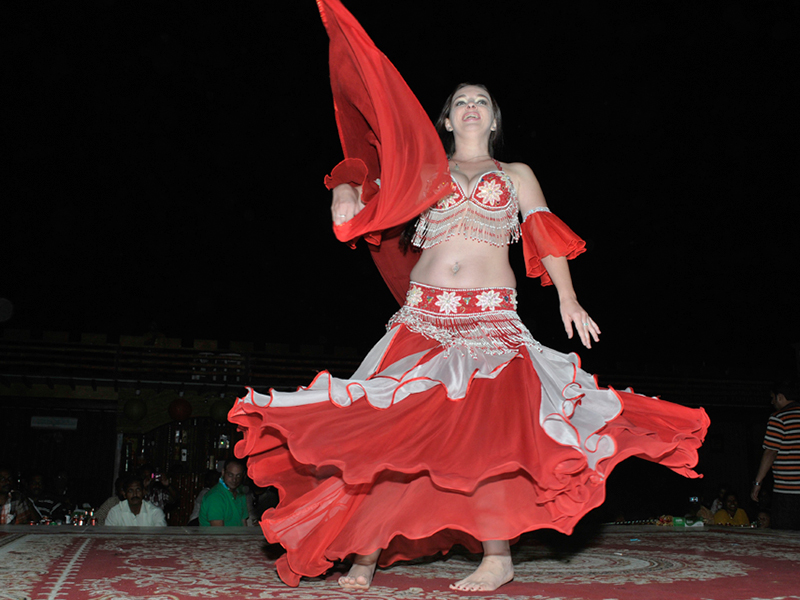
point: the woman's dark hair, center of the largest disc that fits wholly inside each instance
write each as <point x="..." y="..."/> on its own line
<point x="448" y="140"/>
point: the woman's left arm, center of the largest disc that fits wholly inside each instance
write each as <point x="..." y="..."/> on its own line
<point x="530" y="196"/>
<point x="571" y="310"/>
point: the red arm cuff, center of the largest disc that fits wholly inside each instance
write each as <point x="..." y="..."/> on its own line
<point x="353" y="171"/>
<point x="350" y="170"/>
<point x="544" y="234"/>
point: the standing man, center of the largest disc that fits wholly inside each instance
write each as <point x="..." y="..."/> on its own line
<point x="135" y="511"/>
<point x="782" y="455"/>
<point x="224" y="505"/>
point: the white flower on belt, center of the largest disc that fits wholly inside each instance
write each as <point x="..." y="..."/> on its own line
<point x="414" y="296"/>
<point x="489" y="300"/>
<point x="448" y="302"/>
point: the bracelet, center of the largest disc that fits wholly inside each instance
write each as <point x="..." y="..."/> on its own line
<point x="756" y="483"/>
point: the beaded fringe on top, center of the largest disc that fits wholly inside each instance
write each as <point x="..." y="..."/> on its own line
<point x="496" y="227"/>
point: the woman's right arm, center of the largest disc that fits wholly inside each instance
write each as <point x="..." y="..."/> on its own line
<point x="346" y="203"/>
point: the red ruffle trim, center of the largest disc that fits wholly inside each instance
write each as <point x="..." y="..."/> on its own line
<point x="544" y="234"/>
<point x="429" y="473"/>
<point x="350" y="170"/>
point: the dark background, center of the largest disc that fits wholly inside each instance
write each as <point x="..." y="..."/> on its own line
<point x="165" y="162"/>
<point x="164" y="165"/>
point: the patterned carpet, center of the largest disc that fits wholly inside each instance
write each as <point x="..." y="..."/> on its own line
<point x="179" y="564"/>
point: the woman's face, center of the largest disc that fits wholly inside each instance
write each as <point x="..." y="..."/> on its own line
<point x="471" y="109"/>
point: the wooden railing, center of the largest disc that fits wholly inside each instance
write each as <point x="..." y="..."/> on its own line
<point x="51" y="363"/>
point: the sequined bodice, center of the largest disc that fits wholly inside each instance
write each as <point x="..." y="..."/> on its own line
<point x="489" y="214"/>
<point x="494" y="191"/>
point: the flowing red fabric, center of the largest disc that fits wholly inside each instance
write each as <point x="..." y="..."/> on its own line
<point x="430" y="472"/>
<point x="381" y="125"/>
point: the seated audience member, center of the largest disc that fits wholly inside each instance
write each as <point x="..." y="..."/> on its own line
<point x="211" y="479"/>
<point x="161" y="492"/>
<point x="699" y="512"/>
<point x="101" y="514"/>
<point x="263" y="498"/>
<point x="763" y="519"/>
<point x="15" y="509"/>
<point x="731" y="514"/>
<point x="224" y="505"/>
<point x="61" y="491"/>
<point x="719" y="500"/>
<point x="705" y="515"/>
<point x="246" y="490"/>
<point x="135" y="511"/>
<point x="46" y="505"/>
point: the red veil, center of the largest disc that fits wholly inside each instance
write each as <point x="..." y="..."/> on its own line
<point x="386" y="136"/>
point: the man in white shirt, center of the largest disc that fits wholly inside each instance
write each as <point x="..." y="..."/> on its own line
<point x="134" y="511"/>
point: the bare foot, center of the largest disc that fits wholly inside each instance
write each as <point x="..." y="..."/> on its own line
<point x="493" y="572"/>
<point x="360" y="576"/>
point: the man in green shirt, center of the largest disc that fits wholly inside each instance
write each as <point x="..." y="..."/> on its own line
<point x="222" y="506"/>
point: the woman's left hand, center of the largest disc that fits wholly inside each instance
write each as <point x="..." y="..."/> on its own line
<point x="573" y="313"/>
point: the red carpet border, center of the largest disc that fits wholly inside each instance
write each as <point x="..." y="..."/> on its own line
<point x="620" y="563"/>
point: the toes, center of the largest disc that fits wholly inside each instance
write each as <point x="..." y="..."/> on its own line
<point x="355" y="582"/>
<point x="465" y="586"/>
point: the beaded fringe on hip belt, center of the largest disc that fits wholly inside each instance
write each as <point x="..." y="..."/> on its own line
<point x="475" y="319"/>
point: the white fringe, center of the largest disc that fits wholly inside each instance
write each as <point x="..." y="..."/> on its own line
<point x="495" y="332"/>
<point x="496" y="227"/>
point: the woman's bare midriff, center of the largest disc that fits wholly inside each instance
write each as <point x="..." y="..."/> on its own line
<point x="463" y="263"/>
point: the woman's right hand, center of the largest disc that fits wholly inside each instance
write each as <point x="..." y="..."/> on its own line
<point x="573" y="313"/>
<point x="346" y="203"/>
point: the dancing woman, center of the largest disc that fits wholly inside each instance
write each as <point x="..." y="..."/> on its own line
<point x="458" y="427"/>
<point x="465" y="240"/>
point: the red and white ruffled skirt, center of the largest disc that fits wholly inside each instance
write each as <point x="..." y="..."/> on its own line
<point x="458" y="427"/>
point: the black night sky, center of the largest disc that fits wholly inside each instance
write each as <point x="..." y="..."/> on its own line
<point x="164" y="162"/>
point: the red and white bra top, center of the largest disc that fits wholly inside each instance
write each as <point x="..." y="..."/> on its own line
<point x="489" y="214"/>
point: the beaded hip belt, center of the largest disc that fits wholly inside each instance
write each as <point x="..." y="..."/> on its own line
<point x="453" y="301"/>
<point x="474" y="319"/>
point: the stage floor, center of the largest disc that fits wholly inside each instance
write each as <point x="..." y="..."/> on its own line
<point x="615" y="562"/>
